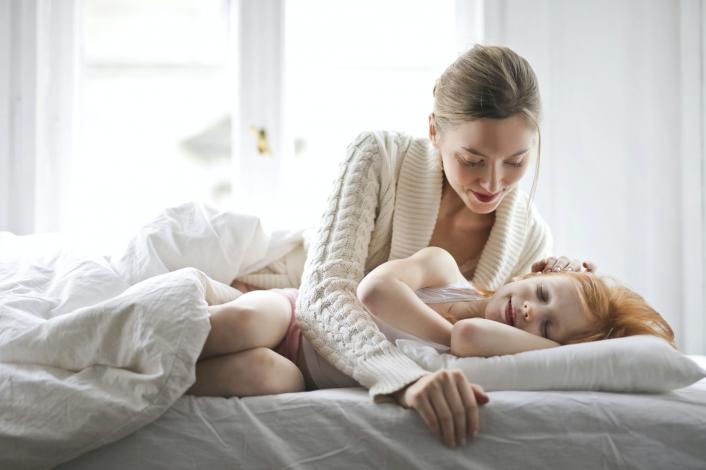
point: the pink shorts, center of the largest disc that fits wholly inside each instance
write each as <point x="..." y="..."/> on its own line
<point x="289" y="347"/>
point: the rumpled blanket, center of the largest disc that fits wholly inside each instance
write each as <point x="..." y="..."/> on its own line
<point x="93" y="348"/>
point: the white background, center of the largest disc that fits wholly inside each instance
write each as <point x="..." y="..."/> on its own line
<point x="100" y="99"/>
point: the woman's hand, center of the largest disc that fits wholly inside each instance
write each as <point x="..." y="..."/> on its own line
<point x="562" y="263"/>
<point x="447" y="403"/>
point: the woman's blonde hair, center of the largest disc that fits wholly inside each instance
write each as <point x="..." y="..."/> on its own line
<point x="488" y="82"/>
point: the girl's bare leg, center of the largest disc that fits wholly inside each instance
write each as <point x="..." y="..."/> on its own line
<point x="255" y="319"/>
<point x="258" y="371"/>
<point x="237" y="359"/>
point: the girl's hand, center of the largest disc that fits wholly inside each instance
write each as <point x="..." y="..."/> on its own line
<point x="447" y="403"/>
<point x="243" y="287"/>
<point x="562" y="263"/>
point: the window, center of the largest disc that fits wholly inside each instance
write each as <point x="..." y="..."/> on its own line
<point x="162" y="83"/>
<point x="154" y="107"/>
<point x="352" y="67"/>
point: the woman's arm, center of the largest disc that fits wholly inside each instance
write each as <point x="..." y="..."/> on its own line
<point x="328" y="310"/>
<point x="388" y="292"/>
<point x="482" y="337"/>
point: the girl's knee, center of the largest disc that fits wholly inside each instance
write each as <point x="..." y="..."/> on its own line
<point x="235" y="318"/>
<point x="273" y="373"/>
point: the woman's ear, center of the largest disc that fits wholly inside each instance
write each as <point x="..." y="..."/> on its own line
<point x="433" y="134"/>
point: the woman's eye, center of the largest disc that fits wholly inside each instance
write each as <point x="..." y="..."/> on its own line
<point x="466" y="162"/>
<point x="516" y="163"/>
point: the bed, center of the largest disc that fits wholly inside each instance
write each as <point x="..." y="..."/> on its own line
<point x="96" y="353"/>
<point x="343" y="428"/>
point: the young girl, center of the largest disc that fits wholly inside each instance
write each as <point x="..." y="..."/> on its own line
<point x="255" y="346"/>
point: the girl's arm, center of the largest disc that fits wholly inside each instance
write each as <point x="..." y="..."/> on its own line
<point x="482" y="337"/>
<point x="388" y="292"/>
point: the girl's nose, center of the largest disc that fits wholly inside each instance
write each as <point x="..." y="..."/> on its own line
<point x="526" y="311"/>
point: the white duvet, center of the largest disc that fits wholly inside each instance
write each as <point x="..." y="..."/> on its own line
<point x="92" y="349"/>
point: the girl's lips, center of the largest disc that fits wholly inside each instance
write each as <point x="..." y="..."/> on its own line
<point x="509" y="313"/>
<point x="486" y="197"/>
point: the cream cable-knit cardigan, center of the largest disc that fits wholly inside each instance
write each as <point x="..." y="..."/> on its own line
<point x="384" y="206"/>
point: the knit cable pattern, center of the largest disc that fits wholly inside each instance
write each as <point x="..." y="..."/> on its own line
<point x="329" y="312"/>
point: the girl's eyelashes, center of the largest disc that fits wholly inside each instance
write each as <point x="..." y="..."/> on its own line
<point x="545" y="329"/>
<point x="542" y="293"/>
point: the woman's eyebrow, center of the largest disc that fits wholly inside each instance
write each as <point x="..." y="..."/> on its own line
<point x="476" y="152"/>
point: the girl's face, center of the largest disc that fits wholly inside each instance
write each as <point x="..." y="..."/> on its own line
<point x="545" y="305"/>
<point x="484" y="159"/>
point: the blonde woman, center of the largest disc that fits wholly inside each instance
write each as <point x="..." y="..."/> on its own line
<point x="457" y="190"/>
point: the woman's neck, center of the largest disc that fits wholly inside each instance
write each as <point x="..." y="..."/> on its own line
<point x="455" y="211"/>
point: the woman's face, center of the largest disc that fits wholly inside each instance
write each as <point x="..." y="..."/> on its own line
<point x="545" y="305"/>
<point x="484" y="159"/>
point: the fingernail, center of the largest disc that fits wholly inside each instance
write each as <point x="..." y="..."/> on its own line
<point x="557" y="269"/>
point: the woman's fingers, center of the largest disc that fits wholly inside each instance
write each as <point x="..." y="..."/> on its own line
<point x="481" y="397"/>
<point x="589" y="266"/>
<point x="459" y="406"/>
<point x="441" y="412"/>
<point x="562" y="263"/>
<point x="447" y="403"/>
<point x="471" y="400"/>
<point x="549" y="266"/>
<point x="538" y="266"/>
<point x="426" y="411"/>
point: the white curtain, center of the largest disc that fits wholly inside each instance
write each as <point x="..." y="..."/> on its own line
<point x="38" y="60"/>
<point x="622" y="140"/>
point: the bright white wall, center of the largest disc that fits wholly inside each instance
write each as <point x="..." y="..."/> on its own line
<point x="613" y="148"/>
<point x="623" y="157"/>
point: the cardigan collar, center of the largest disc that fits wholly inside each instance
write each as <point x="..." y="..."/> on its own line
<point x="417" y="202"/>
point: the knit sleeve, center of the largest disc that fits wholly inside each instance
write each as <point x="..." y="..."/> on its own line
<point x="538" y="244"/>
<point x="330" y="315"/>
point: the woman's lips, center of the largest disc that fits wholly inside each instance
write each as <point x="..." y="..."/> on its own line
<point x="486" y="197"/>
<point x="509" y="314"/>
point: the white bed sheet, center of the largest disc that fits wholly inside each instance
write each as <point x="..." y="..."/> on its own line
<point x="343" y="429"/>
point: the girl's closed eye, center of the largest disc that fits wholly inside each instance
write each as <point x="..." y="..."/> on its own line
<point x="542" y="293"/>
<point x="545" y="330"/>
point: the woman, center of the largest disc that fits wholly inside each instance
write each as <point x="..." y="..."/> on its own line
<point x="457" y="190"/>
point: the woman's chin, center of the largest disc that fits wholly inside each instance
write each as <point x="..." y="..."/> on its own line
<point x="482" y="208"/>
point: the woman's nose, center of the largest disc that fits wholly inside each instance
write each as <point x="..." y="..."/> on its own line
<point x="491" y="179"/>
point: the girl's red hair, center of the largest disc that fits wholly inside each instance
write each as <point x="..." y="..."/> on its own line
<point x="617" y="310"/>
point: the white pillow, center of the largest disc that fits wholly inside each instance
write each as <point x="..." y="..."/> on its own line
<point x="642" y="363"/>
